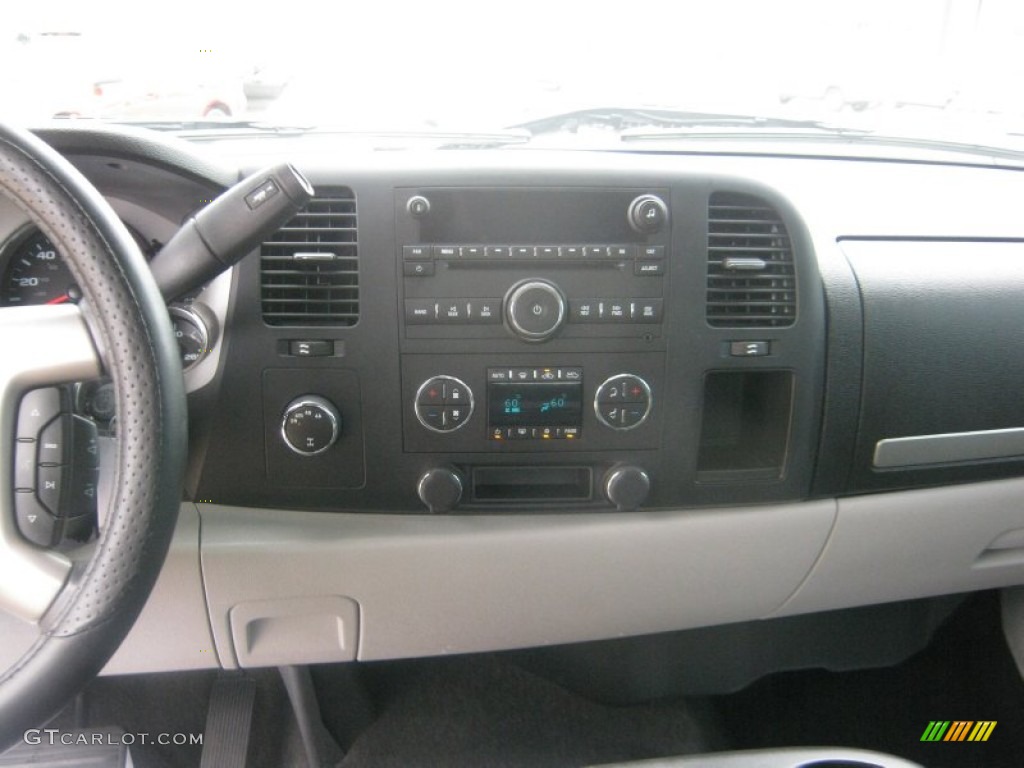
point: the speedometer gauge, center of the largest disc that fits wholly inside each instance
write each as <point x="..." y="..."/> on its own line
<point x="36" y="274"/>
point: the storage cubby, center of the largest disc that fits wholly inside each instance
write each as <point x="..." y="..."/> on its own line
<point x="744" y="426"/>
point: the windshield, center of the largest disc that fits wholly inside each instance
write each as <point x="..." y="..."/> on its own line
<point x="925" y="66"/>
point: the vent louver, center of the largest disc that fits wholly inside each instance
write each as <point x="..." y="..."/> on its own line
<point x="751" y="274"/>
<point x="310" y="267"/>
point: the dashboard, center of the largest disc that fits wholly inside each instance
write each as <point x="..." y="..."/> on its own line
<point x="474" y="400"/>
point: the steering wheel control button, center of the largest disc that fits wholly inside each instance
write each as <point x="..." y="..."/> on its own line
<point x="82" y="495"/>
<point x="52" y="443"/>
<point x="38" y="407"/>
<point x="623" y="402"/>
<point x="647" y="214"/>
<point x="25" y="465"/>
<point x="443" y="403"/>
<point x="85" y="442"/>
<point x="49" y="483"/>
<point x="35" y="523"/>
<point x="535" y="309"/>
<point x="310" y="425"/>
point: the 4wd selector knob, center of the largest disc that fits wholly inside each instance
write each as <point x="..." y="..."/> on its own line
<point x="311" y="424"/>
<point x="534" y="309"/>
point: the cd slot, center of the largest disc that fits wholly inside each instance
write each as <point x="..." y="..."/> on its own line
<point x="514" y="484"/>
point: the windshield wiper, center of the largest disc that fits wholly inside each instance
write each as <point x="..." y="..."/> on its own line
<point x="627" y="121"/>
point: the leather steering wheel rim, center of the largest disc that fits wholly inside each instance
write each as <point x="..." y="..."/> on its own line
<point x="127" y="322"/>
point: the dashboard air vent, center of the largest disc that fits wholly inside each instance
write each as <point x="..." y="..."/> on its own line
<point x="310" y="267"/>
<point x="751" y="275"/>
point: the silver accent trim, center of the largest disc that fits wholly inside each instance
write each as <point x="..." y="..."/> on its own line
<point x="515" y="293"/>
<point x="949" y="448"/>
<point x="419" y="416"/>
<point x="187" y="313"/>
<point x="314" y="256"/>
<point x="324" y="405"/>
<point x="43" y="345"/>
<point x="214" y="297"/>
<point x="619" y="427"/>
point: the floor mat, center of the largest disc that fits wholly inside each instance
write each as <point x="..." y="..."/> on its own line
<point x="482" y="711"/>
<point x="965" y="674"/>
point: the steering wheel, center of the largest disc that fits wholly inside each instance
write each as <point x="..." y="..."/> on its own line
<point x="85" y="600"/>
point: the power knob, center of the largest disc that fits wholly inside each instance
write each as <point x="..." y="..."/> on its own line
<point x="310" y="425"/>
<point x="440" y="489"/>
<point x="626" y="487"/>
<point x="534" y="309"/>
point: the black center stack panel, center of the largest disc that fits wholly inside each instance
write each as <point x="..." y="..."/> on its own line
<point x="577" y="345"/>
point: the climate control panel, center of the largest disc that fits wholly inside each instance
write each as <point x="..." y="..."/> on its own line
<point x="592" y="402"/>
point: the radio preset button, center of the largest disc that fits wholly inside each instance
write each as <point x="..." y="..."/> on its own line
<point x="443" y="403"/>
<point x="472" y="251"/>
<point x="523" y="252"/>
<point x="498" y="251"/>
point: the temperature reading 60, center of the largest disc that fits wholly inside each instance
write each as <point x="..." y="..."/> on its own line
<point x="554" y="404"/>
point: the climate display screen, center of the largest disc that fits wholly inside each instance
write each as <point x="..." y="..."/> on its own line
<point x="541" y="404"/>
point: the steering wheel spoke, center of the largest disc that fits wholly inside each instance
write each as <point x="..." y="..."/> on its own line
<point x="43" y="345"/>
